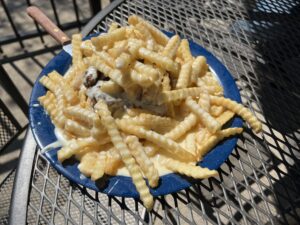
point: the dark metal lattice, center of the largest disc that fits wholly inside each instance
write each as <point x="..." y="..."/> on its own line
<point x="5" y="196"/>
<point x="259" y="183"/>
<point x="8" y="125"/>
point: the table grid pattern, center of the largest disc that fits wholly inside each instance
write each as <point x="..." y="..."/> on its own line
<point x="8" y="125"/>
<point x="5" y="196"/>
<point x="259" y="183"/>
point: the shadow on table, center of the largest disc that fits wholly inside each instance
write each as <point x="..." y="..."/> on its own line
<point x="275" y="31"/>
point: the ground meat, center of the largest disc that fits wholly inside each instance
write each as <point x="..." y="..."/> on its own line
<point x="101" y="76"/>
<point x="89" y="81"/>
<point x="93" y="101"/>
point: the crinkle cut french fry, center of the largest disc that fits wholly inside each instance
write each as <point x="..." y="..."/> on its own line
<point x="123" y="61"/>
<point x="171" y="47"/>
<point x="166" y="86"/>
<point x="133" y="20"/>
<point x="159" y="37"/>
<point x="76" y="129"/>
<point x="86" y="116"/>
<point x="188" y="141"/>
<point x="174" y="95"/>
<point x="160" y="60"/>
<point x="109" y="39"/>
<point x="146" y="35"/>
<point x="198" y="68"/>
<point x="114" y="74"/>
<point x="200" y="136"/>
<point x="204" y="101"/>
<point x="136" y="111"/>
<point x="200" y="83"/>
<point x="212" y="85"/>
<point x="166" y="143"/>
<point x="87" y="48"/>
<point x="73" y="146"/>
<point x="179" y="60"/>
<point x="75" y="73"/>
<point x="48" y="101"/>
<point x="183" y="127"/>
<point x="68" y="91"/>
<point x="113" y="26"/>
<point x="77" y="79"/>
<point x="121" y="44"/>
<point x="76" y="52"/>
<point x="48" y="83"/>
<point x="209" y="122"/>
<point x="157" y="120"/>
<point x="92" y="164"/>
<point x="99" y="133"/>
<point x="113" y="162"/>
<point x="239" y="109"/>
<point x="150" y="148"/>
<point x="60" y="119"/>
<point x="110" y="87"/>
<point x="143" y="160"/>
<point x="137" y="34"/>
<point x="106" y="58"/>
<point x="188" y="169"/>
<point x="116" y="138"/>
<point x="56" y="77"/>
<point x="99" y="167"/>
<point x="211" y="89"/>
<point x="153" y="122"/>
<point x="146" y="69"/>
<point x="140" y="79"/>
<point x="130" y="32"/>
<point x="184" y="51"/>
<point x="119" y="47"/>
<point x="184" y="76"/>
<point x="150" y="44"/>
<point x="134" y="45"/>
<point x="216" y="138"/>
<point x="166" y="83"/>
<point x="87" y="163"/>
<point x="225" y="117"/>
<point x="216" y="111"/>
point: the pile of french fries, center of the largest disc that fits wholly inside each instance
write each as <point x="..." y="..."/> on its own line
<point x="141" y="64"/>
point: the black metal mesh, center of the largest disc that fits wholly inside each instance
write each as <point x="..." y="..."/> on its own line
<point x="5" y="195"/>
<point x="8" y="125"/>
<point x="259" y="183"/>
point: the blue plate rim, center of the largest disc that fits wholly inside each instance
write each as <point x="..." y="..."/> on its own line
<point x="121" y="185"/>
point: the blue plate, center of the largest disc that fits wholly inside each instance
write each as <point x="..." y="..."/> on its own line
<point x="43" y="131"/>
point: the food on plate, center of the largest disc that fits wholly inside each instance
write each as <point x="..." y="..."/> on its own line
<point x="135" y="102"/>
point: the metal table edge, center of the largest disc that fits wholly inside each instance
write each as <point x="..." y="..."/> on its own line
<point x="99" y="16"/>
<point x="20" y="194"/>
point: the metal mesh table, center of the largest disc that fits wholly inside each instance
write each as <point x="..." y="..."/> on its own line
<point x="258" y="41"/>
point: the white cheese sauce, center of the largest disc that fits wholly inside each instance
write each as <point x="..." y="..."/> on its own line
<point x="95" y="92"/>
<point x="61" y="141"/>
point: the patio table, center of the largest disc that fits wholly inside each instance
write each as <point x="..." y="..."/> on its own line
<point x="258" y="41"/>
